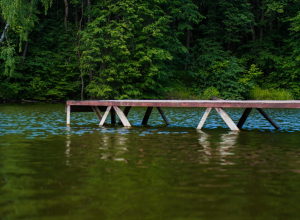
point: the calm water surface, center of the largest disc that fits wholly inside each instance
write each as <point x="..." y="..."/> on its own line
<point x="50" y="171"/>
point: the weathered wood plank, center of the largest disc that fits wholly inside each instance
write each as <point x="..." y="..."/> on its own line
<point x="266" y="116"/>
<point x="82" y="108"/>
<point x="122" y="116"/>
<point x="113" y="116"/>
<point x="97" y="112"/>
<point x="163" y="115"/>
<point x="191" y="103"/>
<point x="147" y="115"/>
<point x="68" y="109"/>
<point x="105" y="116"/>
<point x="227" y="119"/>
<point x="126" y="111"/>
<point x="244" y="117"/>
<point x="203" y="119"/>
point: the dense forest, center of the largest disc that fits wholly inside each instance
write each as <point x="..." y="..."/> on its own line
<point x="148" y="49"/>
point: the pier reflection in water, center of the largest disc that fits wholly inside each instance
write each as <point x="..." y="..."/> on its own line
<point x="50" y="171"/>
<point x="223" y="148"/>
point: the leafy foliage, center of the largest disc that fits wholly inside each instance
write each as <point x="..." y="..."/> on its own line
<point x="137" y="49"/>
<point x="211" y="92"/>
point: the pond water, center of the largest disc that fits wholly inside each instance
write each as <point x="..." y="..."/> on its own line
<point x="50" y="171"/>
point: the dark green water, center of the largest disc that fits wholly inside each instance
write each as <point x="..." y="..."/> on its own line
<point x="50" y="171"/>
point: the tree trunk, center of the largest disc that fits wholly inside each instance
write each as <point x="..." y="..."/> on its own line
<point x="89" y="21"/>
<point x="24" y="53"/>
<point x="79" y="56"/>
<point x="57" y="10"/>
<point x="82" y="86"/>
<point x="76" y="15"/>
<point x="278" y="30"/>
<point x="247" y="38"/>
<point x="262" y="25"/>
<point x="81" y="76"/>
<point x="253" y="32"/>
<point x="66" y="15"/>
<point x="187" y="47"/>
<point x="271" y="23"/>
<point x="3" y="34"/>
<point x="254" y="37"/>
<point x="89" y="10"/>
<point x="80" y="22"/>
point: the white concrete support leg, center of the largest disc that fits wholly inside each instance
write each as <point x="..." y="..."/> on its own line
<point x="122" y="116"/>
<point x="227" y="119"/>
<point x="68" y="114"/>
<point x="105" y="116"/>
<point x="203" y="119"/>
<point x="126" y="112"/>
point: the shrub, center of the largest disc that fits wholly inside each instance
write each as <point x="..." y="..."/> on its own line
<point x="211" y="92"/>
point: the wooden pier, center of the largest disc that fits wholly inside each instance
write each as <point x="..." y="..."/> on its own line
<point x="113" y="107"/>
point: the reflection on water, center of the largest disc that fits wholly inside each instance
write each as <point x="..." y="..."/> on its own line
<point x="117" y="143"/>
<point x="223" y="148"/>
<point x="68" y="148"/>
<point x="50" y="171"/>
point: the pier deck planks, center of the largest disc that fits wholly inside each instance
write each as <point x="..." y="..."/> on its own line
<point x="189" y="103"/>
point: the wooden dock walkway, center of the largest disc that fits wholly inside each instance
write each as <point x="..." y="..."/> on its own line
<point x="113" y="107"/>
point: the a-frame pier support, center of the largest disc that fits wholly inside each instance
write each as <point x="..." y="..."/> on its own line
<point x="148" y="113"/>
<point x="224" y="116"/>
<point x="122" y="116"/>
<point x="244" y="117"/>
<point x="262" y="112"/>
<point x="105" y="116"/>
<point x="227" y="119"/>
<point x="163" y="115"/>
<point x="268" y="118"/>
<point x="113" y="110"/>
<point x="203" y="119"/>
<point x="97" y="112"/>
<point x="126" y="111"/>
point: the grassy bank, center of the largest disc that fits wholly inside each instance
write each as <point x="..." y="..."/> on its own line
<point x="180" y="92"/>
<point x="270" y="94"/>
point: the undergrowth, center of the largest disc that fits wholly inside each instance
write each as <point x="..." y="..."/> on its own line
<point x="181" y="93"/>
<point x="270" y="94"/>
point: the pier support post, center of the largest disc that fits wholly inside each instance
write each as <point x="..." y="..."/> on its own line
<point x="68" y="114"/>
<point x="105" y="116"/>
<point x="113" y="116"/>
<point x="97" y="112"/>
<point x="268" y="118"/>
<point x="203" y="119"/>
<point x="244" y="117"/>
<point x="126" y="111"/>
<point x="227" y="119"/>
<point x="224" y="116"/>
<point x="122" y="116"/>
<point x="147" y="115"/>
<point x="163" y="115"/>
